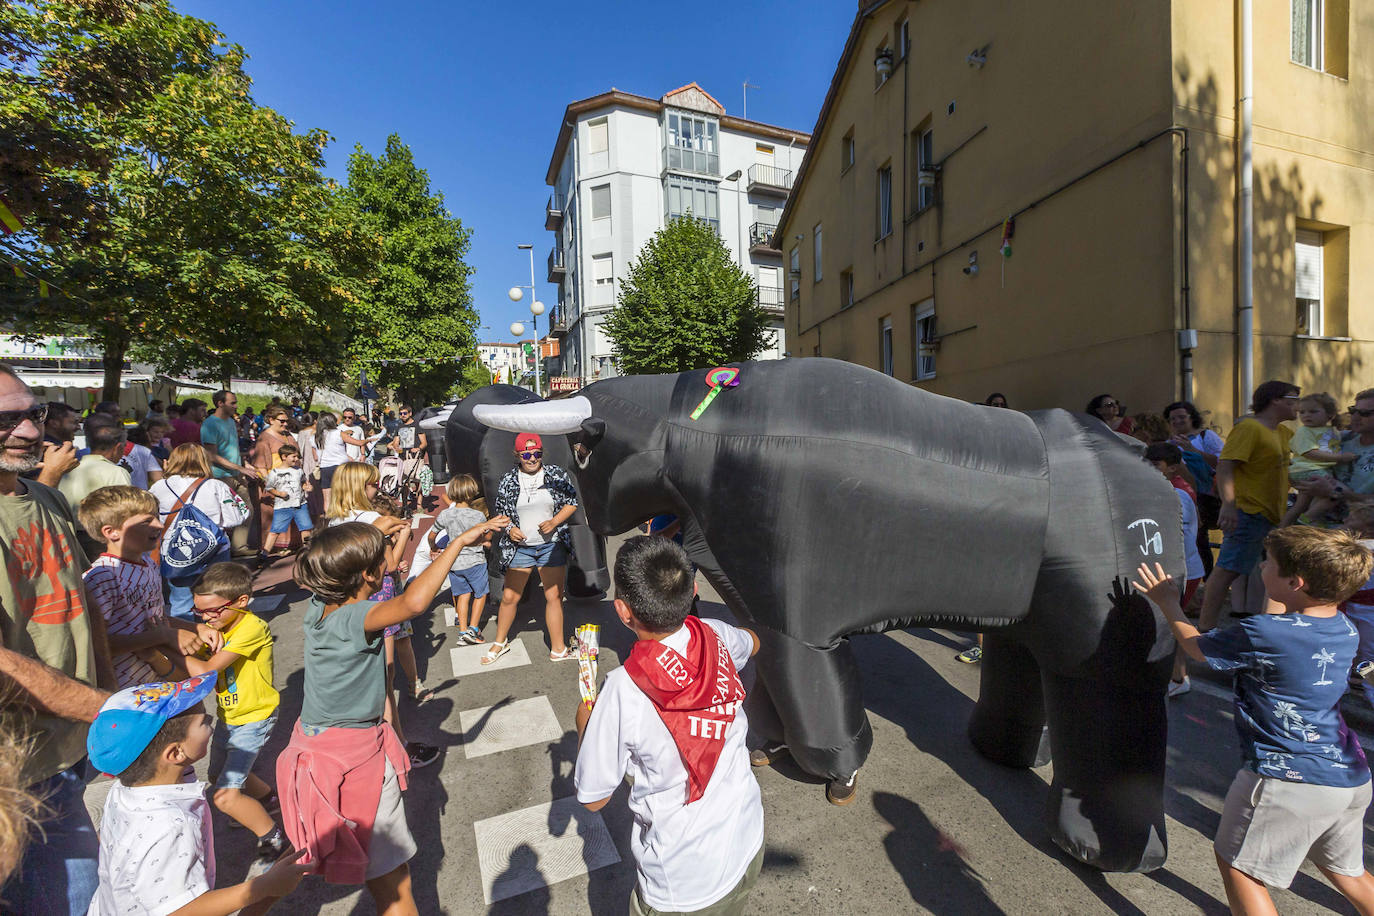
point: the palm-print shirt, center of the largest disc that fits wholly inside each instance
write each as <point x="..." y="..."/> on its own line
<point x="508" y="495"/>
<point x="1291" y="673"/>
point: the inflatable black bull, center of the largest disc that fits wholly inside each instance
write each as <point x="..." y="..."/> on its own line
<point x="822" y="499"/>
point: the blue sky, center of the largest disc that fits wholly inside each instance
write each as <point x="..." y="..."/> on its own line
<point x="478" y="89"/>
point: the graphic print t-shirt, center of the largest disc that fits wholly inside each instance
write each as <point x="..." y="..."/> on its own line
<point x="290" y="481"/>
<point x="244" y="690"/>
<point x="129" y="597"/>
<point x="1290" y="677"/>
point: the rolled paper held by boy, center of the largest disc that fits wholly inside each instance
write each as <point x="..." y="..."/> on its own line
<point x="588" y="644"/>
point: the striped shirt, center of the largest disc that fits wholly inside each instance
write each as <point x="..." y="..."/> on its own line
<point x="129" y="596"/>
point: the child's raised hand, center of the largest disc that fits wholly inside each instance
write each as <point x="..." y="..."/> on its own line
<point x="284" y="876"/>
<point x="1157" y="585"/>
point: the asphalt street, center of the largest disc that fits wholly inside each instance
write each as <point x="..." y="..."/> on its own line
<point x="935" y="827"/>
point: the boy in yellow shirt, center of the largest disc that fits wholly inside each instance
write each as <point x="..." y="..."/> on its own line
<point x="247" y="700"/>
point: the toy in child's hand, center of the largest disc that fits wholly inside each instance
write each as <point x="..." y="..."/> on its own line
<point x="588" y="640"/>
<point x="718" y="378"/>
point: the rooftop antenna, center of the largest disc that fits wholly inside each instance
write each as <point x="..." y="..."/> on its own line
<point x="747" y="86"/>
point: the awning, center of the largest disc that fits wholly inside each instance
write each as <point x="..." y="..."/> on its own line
<point x="38" y="378"/>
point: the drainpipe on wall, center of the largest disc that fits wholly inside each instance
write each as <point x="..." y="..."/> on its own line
<point x="1246" y="318"/>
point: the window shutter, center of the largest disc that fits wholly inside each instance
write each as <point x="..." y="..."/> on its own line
<point x="597" y="141"/>
<point x="1309" y="265"/>
<point x="601" y="202"/>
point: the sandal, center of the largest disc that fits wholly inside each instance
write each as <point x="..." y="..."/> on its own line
<point x="497" y="650"/>
<point x="567" y="653"/>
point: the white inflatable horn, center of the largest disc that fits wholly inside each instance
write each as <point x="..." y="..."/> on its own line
<point x="545" y="418"/>
<point x="439" y="419"/>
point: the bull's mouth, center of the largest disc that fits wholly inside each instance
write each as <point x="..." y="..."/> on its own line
<point x="581" y="455"/>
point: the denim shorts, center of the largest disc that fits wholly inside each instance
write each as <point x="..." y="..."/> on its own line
<point x="244" y="743"/>
<point x="1241" y="546"/>
<point x="472" y="580"/>
<point x="282" y="519"/>
<point x="529" y="556"/>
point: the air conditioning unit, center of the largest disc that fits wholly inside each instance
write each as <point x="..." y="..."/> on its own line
<point x="925" y="178"/>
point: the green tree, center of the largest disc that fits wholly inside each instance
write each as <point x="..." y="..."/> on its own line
<point x="685" y="304"/>
<point x="475" y="375"/>
<point x="420" y="325"/>
<point x="222" y="250"/>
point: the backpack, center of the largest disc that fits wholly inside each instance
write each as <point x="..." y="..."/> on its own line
<point x="190" y="541"/>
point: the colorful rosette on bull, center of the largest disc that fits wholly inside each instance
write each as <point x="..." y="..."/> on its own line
<point x="588" y="644"/>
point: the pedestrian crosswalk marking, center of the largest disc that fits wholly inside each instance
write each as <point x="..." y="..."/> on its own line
<point x="490" y="729"/>
<point x="535" y="847"/>
<point x="467" y="660"/>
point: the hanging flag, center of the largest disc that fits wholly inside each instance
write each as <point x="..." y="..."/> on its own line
<point x="17" y="272"/>
<point x="9" y="223"/>
<point x="1008" y="230"/>
<point x="42" y="289"/>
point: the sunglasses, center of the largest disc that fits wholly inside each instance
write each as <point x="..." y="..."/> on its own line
<point x="1353" y="409"/>
<point x="528" y="456"/>
<point x="10" y="419"/>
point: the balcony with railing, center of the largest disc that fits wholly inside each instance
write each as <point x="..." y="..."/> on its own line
<point x="685" y="159"/>
<point x="556" y="266"/>
<point x="558" y="321"/>
<point x="770" y="298"/>
<point x="553" y="213"/>
<point x="769" y="179"/>
<point x="761" y="238"/>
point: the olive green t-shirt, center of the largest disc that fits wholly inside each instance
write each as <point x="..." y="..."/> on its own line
<point x="345" y="668"/>
<point x="43" y="616"/>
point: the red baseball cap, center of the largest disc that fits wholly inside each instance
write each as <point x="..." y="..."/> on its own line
<point x="527" y="441"/>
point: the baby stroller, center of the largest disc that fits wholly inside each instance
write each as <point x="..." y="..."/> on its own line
<point x="405" y="481"/>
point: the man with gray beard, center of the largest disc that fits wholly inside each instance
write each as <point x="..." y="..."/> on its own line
<point x="53" y="664"/>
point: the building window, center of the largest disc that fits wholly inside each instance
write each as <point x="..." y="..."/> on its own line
<point x="598" y="143"/>
<point x="846" y="288"/>
<point x="903" y="38"/>
<point x="923" y="320"/>
<point x="603" y="279"/>
<point x="885" y="346"/>
<point x="885" y="201"/>
<point x="794" y="271"/>
<point x="691" y="144"/>
<point x="1310" y="269"/>
<point x="816" y="250"/>
<point x="1307" y="33"/>
<point x="601" y="206"/>
<point x="847" y="151"/>
<point x="692" y="196"/>
<point x="925" y="168"/>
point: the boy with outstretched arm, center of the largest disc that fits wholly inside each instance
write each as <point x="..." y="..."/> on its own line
<point x="245" y="694"/>
<point x="672" y="716"/>
<point x="157" y="851"/>
<point x="1304" y="785"/>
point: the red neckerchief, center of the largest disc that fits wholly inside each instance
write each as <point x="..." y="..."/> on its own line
<point x="696" y="697"/>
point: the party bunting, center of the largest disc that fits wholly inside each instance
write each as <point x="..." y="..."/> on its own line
<point x="9" y="223"/>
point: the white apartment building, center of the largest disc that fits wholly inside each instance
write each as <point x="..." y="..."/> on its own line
<point x="623" y="166"/>
<point x="503" y="360"/>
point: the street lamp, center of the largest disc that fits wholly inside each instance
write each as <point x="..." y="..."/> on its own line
<point x="739" y="216"/>
<point x="517" y="293"/>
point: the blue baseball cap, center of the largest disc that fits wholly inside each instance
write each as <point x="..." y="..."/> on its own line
<point x="131" y="718"/>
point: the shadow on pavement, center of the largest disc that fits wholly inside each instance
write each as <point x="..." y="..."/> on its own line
<point x="931" y="864"/>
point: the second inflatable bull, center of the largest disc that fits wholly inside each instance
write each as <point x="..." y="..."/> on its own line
<point x="822" y="499"/>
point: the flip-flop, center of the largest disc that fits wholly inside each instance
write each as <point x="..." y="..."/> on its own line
<point x="497" y="650"/>
<point x="567" y="653"/>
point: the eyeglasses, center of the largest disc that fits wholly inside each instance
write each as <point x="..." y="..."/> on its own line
<point x="10" y="419"/>
<point x="1362" y="413"/>
<point x="215" y="611"/>
<point x="529" y="456"/>
<point x="1112" y="404"/>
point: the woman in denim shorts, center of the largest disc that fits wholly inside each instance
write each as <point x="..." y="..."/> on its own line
<point x="539" y="499"/>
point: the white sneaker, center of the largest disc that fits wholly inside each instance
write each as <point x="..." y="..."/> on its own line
<point x="1179" y="688"/>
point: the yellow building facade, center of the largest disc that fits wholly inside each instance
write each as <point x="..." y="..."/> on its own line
<point x="1096" y="141"/>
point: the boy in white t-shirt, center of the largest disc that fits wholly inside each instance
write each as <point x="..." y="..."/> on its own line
<point x="157" y="849"/>
<point x="288" y="486"/>
<point x="672" y="717"/>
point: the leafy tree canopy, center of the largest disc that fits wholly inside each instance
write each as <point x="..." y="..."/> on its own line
<point x="685" y="304"/>
<point x="420" y="309"/>
<point x="222" y="250"/>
